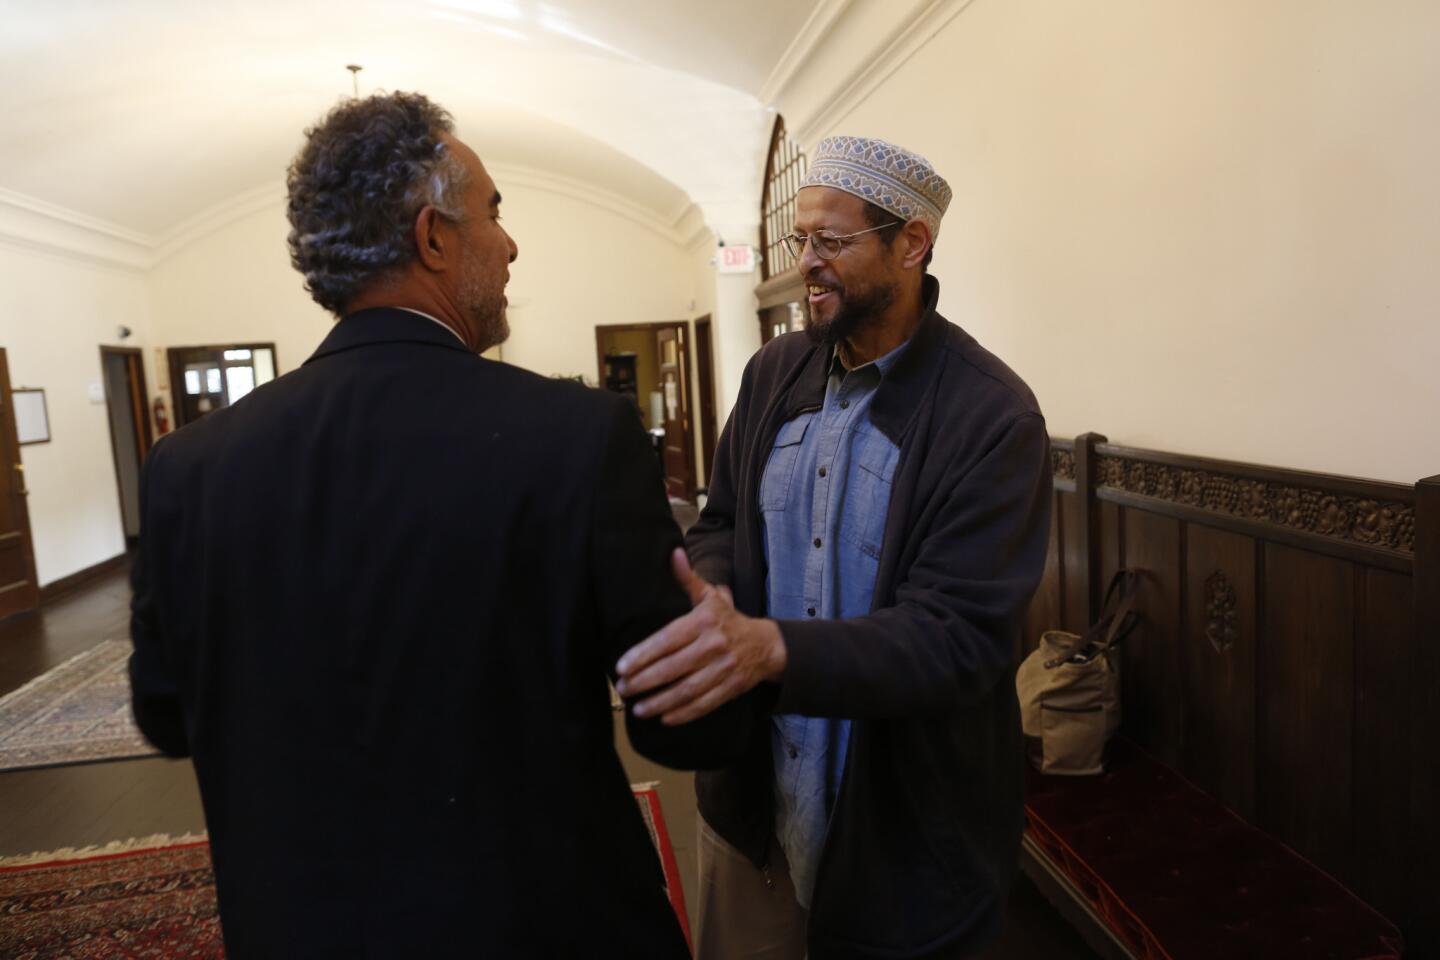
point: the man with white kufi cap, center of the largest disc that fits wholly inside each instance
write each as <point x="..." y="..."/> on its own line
<point x="877" y="523"/>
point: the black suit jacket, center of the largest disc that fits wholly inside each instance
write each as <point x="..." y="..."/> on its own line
<point x="376" y="601"/>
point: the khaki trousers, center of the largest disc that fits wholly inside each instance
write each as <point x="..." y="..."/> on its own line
<point x="744" y="912"/>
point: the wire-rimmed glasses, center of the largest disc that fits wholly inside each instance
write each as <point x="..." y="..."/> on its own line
<point x="827" y="245"/>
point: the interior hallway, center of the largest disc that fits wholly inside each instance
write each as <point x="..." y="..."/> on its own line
<point x="84" y="804"/>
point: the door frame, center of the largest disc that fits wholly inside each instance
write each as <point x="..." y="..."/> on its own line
<point x="705" y="387"/>
<point x="141" y="413"/>
<point x="177" y="369"/>
<point x="687" y="372"/>
<point x="27" y="596"/>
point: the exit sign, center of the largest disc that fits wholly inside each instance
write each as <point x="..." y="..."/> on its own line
<point x="739" y="259"/>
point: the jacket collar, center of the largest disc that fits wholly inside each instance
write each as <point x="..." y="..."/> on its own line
<point x="901" y="387"/>
<point x="385" y="325"/>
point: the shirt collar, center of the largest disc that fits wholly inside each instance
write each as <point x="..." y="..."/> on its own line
<point x="900" y="391"/>
<point x="881" y="364"/>
<point x="421" y="313"/>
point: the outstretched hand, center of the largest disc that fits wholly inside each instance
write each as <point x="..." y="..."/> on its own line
<point x="704" y="659"/>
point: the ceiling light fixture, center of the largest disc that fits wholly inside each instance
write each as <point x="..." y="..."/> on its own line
<point x="354" y="69"/>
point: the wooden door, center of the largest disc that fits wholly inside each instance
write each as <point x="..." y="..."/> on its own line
<point x="705" y="384"/>
<point x="679" y="453"/>
<point x="18" y="589"/>
<point x="205" y="378"/>
<point x="130" y="436"/>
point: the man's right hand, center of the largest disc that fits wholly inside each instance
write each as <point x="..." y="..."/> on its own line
<point x="704" y="659"/>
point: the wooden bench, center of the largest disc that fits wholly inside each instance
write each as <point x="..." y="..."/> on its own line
<point x="1276" y="774"/>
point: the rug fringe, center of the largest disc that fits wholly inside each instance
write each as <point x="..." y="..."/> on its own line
<point x="154" y="841"/>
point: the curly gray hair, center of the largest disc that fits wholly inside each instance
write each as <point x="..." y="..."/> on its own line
<point x="357" y="185"/>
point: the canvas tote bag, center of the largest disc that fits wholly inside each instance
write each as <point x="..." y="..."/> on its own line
<point x="1069" y="688"/>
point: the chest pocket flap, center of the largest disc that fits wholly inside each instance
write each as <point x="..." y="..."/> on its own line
<point x="780" y="468"/>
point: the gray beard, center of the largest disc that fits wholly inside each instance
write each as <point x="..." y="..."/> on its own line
<point x="854" y="314"/>
<point x="492" y="327"/>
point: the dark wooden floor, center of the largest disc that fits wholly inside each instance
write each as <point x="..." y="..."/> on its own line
<point x="95" y="803"/>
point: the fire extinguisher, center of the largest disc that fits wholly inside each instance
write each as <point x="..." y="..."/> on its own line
<point x="162" y="419"/>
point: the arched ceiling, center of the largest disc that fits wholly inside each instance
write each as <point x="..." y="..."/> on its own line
<point x="145" y="113"/>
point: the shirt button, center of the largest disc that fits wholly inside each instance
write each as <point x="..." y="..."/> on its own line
<point x="822" y="471"/>
<point x="817" y="542"/>
<point x="810" y="612"/>
<point x="844" y="404"/>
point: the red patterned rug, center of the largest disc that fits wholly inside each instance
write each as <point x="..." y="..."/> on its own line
<point x="156" y="898"/>
<point x="144" y="898"/>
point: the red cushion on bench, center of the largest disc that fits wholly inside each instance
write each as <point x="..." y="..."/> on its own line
<point x="1176" y="875"/>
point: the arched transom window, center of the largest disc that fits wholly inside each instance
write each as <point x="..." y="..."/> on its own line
<point x="784" y="169"/>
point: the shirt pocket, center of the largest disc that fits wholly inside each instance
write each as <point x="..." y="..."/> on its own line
<point x="780" y="468"/>
<point x="867" y="493"/>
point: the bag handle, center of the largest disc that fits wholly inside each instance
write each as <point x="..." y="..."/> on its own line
<point x="1075" y="645"/>
<point x="1117" y="625"/>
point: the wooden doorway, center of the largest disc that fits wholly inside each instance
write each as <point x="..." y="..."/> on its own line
<point x="126" y="400"/>
<point x="18" y="589"/>
<point x="650" y="362"/>
<point x="210" y="377"/>
<point x="705" y="386"/>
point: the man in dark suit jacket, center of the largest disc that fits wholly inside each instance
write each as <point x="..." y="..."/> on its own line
<point x="376" y="600"/>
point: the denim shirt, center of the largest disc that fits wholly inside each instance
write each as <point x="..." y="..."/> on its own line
<point x="823" y="499"/>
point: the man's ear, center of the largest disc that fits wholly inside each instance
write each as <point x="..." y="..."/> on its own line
<point x="430" y="242"/>
<point x="917" y="240"/>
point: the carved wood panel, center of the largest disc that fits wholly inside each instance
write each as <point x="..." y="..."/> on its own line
<point x="1044" y="611"/>
<point x="1219" y="665"/>
<point x="1074" y="611"/>
<point x="1422" y="922"/>
<point x="1151" y="702"/>
<point x="1306" y="708"/>
<point x="1384" y="684"/>
<point x="1110" y="542"/>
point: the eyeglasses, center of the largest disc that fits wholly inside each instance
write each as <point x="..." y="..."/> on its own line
<point x="827" y="246"/>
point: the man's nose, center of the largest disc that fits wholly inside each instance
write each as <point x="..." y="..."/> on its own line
<point x="808" y="260"/>
<point x="514" y="250"/>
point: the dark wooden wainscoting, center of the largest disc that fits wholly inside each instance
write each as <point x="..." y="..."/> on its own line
<point x="1286" y="661"/>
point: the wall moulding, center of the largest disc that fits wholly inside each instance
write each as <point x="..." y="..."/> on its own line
<point x="889" y="53"/>
<point x="798" y="53"/>
<point x="37" y="226"/>
<point x="30" y="224"/>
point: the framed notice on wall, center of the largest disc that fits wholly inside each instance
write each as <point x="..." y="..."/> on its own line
<point x="32" y="421"/>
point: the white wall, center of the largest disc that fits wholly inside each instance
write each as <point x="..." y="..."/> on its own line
<point x="55" y="312"/>
<point x="1206" y="228"/>
<point x="580" y="265"/>
<point x="583" y="266"/>
<point x="236" y="285"/>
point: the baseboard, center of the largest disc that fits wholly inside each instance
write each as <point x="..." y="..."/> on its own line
<point x="57" y="588"/>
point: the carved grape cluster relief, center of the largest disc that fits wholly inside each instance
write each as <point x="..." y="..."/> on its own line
<point x="1355" y="519"/>
<point x="1220" y="615"/>
<point x="1062" y="463"/>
